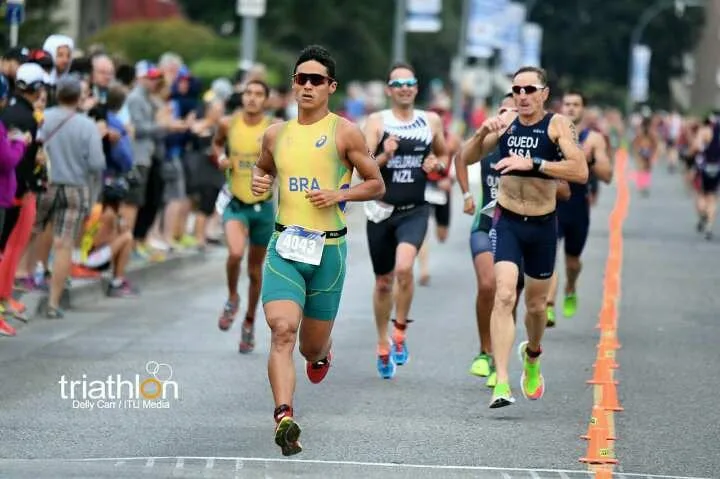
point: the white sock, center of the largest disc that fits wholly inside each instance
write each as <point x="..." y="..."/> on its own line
<point x="117" y="282"/>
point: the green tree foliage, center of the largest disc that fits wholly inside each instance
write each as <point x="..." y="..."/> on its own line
<point x="149" y="40"/>
<point x="585" y="41"/>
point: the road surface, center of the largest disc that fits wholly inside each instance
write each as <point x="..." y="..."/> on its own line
<point x="432" y="420"/>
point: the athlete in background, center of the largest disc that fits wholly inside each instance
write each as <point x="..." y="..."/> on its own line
<point x="439" y="193"/>
<point x="574" y="214"/>
<point x="707" y="153"/>
<point x="409" y="144"/>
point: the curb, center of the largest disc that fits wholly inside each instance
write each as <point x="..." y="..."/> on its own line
<point x="88" y="291"/>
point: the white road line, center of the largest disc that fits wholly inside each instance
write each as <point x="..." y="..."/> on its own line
<point x="120" y="463"/>
<point x="150" y="462"/>
<point x="505" y="475"/>
<point x="389" y="465"/>
<point x="563" y="475"/>
<point x="210" y="463"/>
<point x="238" y="464"/>
<point x="180" y="463"/>
<point x="534" y="475"/>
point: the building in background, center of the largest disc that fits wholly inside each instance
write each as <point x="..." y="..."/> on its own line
<point x="84" y="18"/>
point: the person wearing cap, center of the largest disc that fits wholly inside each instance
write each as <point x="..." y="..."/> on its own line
<point x="10" y="63"/>
<point x="19" y="115"/>
<point x="74" y="149"/>
<point x="142" y="202"/>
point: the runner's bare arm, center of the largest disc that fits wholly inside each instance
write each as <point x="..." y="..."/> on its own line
<point x="574" y="167"/>
<point x="265" y="164"/>
<point x="439" y="147"/>
<point x="486" y="138"/>
<point x="602" y="167"/>
<point x="461" y="171"/>
<point x="563" y="190"/>
<point x="372" y="132"/>
<point x="220" y="137"/>
<point x="355" y="150"/>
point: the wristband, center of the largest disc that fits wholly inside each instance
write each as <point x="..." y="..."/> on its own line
<point x="537" y="164"/>
<point x="467" y="195"/>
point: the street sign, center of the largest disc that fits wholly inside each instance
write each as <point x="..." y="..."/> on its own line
<point x="15" y="12"/>
<point x="251" y="8"/>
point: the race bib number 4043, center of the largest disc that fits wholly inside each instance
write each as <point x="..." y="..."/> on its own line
<point x="300" y="244"/>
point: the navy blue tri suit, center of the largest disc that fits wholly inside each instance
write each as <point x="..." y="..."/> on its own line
<point x="574" y="214"/>
<point x="530" y="242"/>
<point x="708" y="164"/>
<point x="482" y="234"/>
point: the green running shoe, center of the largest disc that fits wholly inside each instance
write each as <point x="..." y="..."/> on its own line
<point x="550" y="316"/>
<point x="502" y="396"/>
<point x="570" y="305"/>
<point x="532" y="382"/>
<point x="481" y="365"/>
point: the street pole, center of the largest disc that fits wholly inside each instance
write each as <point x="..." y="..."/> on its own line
<point x="14" y="15"/>
<point x="248" y="43"/>
<point x="457" y="107"/>
<point x="647" y="16"/>
<point x="14" y="34"/>
<point x="399" y="31"/>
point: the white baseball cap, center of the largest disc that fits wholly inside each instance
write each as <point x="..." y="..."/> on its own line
<point x="29" y="73"/>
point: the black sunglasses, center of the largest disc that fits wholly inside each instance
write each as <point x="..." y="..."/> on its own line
<point x="315" y="79"/>
<point x="528" y="89"/>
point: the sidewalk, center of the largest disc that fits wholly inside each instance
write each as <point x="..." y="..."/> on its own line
<point x="83" y="291"/>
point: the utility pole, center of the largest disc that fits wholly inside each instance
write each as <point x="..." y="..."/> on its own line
<point x="399" y="31"/>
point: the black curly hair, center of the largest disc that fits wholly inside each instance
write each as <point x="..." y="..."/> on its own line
<point x="318" y="54"/>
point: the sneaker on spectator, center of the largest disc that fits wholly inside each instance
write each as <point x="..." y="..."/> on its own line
<point x="188" y="241"/>
<point x="123" y="290"/>
<point x="6" y="329"/>
<point x="159" y="245"/>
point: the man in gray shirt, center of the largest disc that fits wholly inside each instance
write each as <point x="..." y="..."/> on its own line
<point x="74" y="153"/>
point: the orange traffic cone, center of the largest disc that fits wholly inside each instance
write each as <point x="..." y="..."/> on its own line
<point x="605" y="352"/>
<point x="609" y="339"/>
<point x="601" y="373"/>
<point x="598" y="420"/>
<point x="603" y="473"/>
<point x="609" y="401"/>
<point x="608" y="318"/>
<point x="598" y="451"/>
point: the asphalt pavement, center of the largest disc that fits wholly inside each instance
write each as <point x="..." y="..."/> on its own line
<point x="432" y="420"/>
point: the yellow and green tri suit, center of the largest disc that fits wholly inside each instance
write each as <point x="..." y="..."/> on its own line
<point x="255" y="212"/>
<point x="306" y="256"/>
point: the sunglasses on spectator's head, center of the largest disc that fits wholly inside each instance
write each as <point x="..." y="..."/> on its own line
<point x="527" y="89"/>
<point x="315" y="79"/>
<point x="401" y="82"/>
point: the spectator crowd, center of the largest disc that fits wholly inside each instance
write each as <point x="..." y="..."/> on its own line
<point x="103" y="162"/>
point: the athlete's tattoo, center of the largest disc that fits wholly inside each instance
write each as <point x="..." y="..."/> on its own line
<point x="573" y="131"/>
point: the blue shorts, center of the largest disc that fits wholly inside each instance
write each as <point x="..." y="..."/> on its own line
<point x="530" y="242"/>
<point x="484" y="242"/>
<point x="573" y="228"/>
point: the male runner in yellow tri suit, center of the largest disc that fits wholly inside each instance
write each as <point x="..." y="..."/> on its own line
<point x="313" y="158"/>
<point x="245" y="215"/>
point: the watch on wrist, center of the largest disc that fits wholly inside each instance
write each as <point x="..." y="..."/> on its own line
<point x="467" y="195"/>
<point x="537" y="163"/>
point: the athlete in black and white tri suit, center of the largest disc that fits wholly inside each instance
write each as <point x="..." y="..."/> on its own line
<point x="408" y="144"/>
